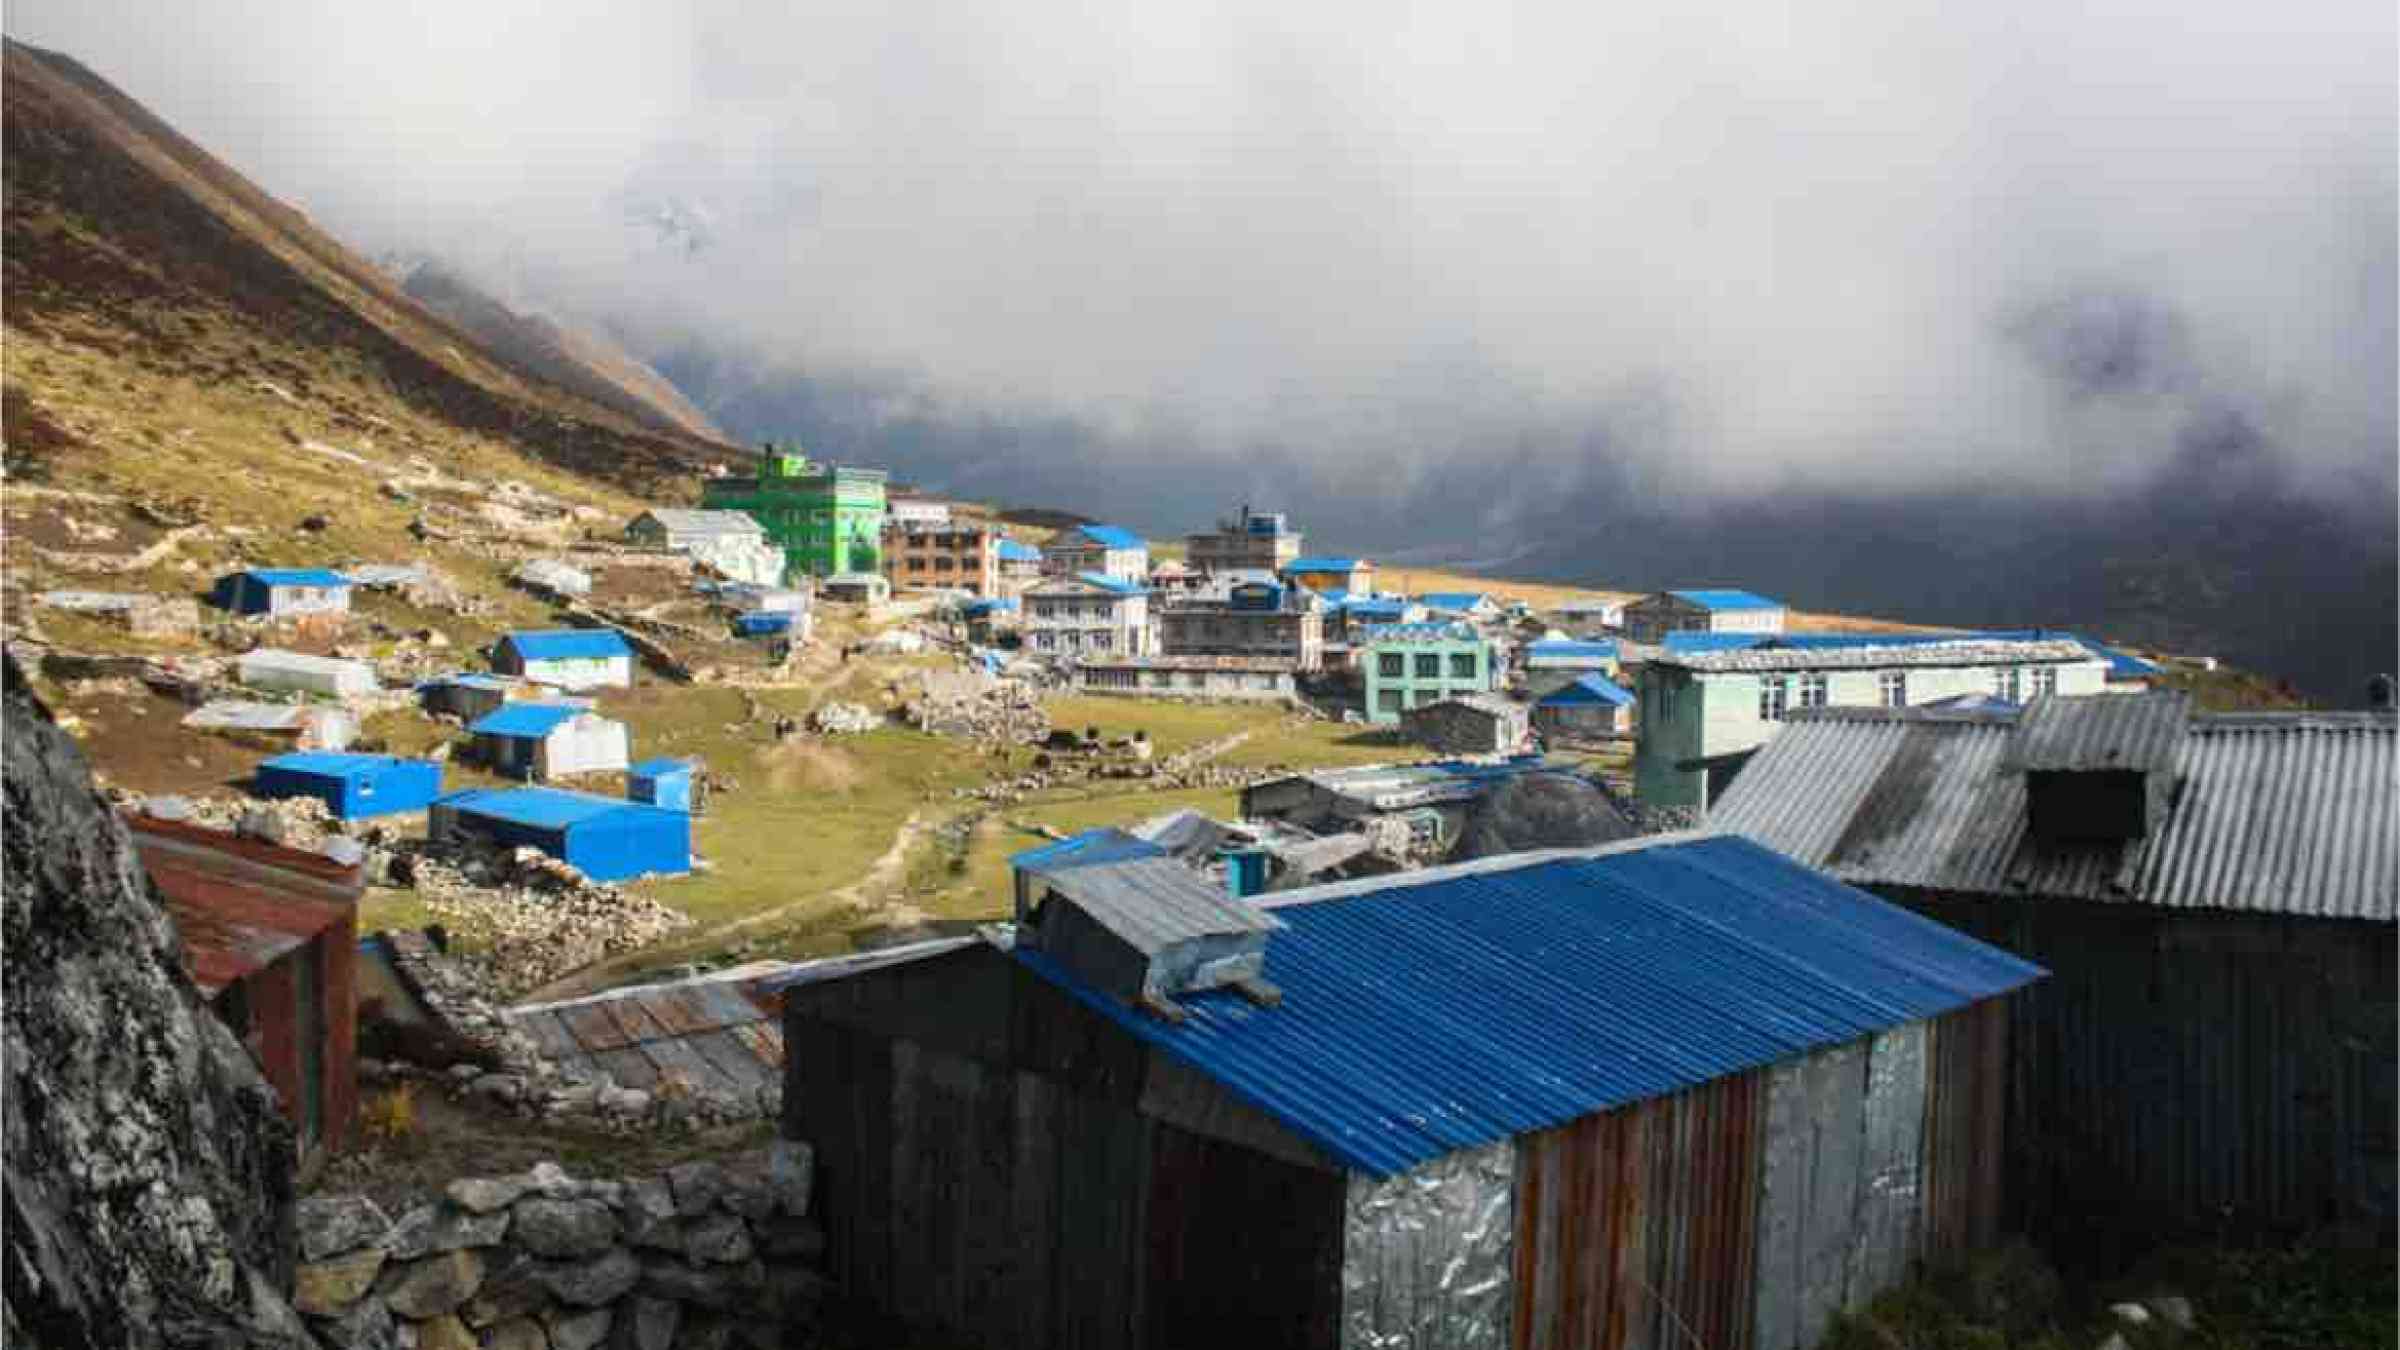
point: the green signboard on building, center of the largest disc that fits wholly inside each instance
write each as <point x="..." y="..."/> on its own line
<point x="827" y="518"/>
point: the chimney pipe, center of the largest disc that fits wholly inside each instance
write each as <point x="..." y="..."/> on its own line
<point x="2379" y="693"/>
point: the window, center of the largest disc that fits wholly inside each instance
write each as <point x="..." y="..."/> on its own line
<point x="1462" y="665"/>
<point x="1812" y="691"/>
<point x="1774" y="694"/>
<point x="1891" y="688"/>
<point x="1045" y="641"/>
<point x="2004" y="684"/>
<point x="1418" y="698"/>
<point x="2045" y="681"/>
<point x="1101" y="640"/>
<point x="1429" y="665"/>
<point x="1387" y="700"/>
<point x="1390" y="665"/>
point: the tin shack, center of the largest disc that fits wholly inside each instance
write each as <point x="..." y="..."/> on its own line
<point x="567" y="658"/>
<point x="269" y="936"/>
<point x="353" y="787"/>
<point x="603" y="837"/>
<point x="539" y="740"/>
<point x="1673" y="1092"/>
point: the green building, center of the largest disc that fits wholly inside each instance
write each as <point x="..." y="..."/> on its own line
<point x="1408" y="665"/>
<point x="827" y="518"/>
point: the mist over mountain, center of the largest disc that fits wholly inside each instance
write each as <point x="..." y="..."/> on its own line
<point x="2022" y="313"/>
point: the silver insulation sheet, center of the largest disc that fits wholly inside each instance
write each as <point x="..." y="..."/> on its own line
<point x="1427" y="1255"/>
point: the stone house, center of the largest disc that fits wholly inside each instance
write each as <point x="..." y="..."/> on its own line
<point x="1468" y="724"/>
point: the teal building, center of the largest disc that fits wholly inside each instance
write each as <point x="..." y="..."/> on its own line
<point x="1408" y="665"/>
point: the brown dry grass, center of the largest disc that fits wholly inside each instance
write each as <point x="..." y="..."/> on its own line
<point x="805" y="765"/>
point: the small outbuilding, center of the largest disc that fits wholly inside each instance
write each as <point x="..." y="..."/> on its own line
<point x="1468" y="724"/>
<point x="275" y="670"/>
<point x="764" y="623"/>
<point x="352" y="787"/>
<point x="857" y="588"/>
<point x="469" y="696"/>
<point x="1588" y="707"/>
<point x="283" y="592"/>
<point x="296" y="726"/>
<point x="537" y="740"/>
<point x="567" y="658"/>
<point x="604" y="838"/>
<point x="1674" y="1092"/>
<point x="1553" y="663"/>
<point x="665" y="783"/>
<point x="269" y="937"/>
<point x="551" y="577"/>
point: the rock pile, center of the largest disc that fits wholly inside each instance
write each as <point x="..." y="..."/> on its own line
<point x="531" y="918"/>
<point x="845" y="719"/>
<point x="991" y="712"/>
<point x="703" y="1255"/>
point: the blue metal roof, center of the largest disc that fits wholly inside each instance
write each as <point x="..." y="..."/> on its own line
<point x="541" y="807"/>
<point x="569" y="644"/>
<point x="1109" y="583"/>
<point x="295" y="576"/>
<point x="1726" y="599"/>
<point x="473" y="680"/>
<point x="1688" y="643"/>
<point x="330" y="764"/>
<point x="1446" y="1009"/>
<point x="2121" y="665"/>
<point x="1088" y="849"/>
<point x="660" y="767"/>
<point x="529" y="720"/>
<point x="1013" y="550"/>
<point x="1564" y="649"/>
<point x="1459" y="601"/>
<point x="989" y="605"/>
<point x="1590" y="689"/>
<point x="1321" y="565"/>
<point x="1111" y="536"/>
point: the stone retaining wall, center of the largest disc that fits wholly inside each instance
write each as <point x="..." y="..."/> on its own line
<point x="705" y="1255"/>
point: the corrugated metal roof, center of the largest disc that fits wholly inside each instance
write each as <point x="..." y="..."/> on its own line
<point x="1417" y="632"/>
<point x="2277" y="813"/>
<point x="544" y="808"/>
<point x="1767" y="655"/>
<point x="1393" y="787"/>
<point x="334" y="764"/>
<point x="1591" y="689"/>
<point x="1445" y="1009"/>
<point x="1726" y="599"/>
<point x="568" y="644"/>
<point x="680" y="520"/>
<point x="661" y="767"/>
<point x="384" y="574"/>
<point x="240" y="904"/>
<point x="529" y="720"/>
<point x="1110" y="536"/>
<point x="1457" y="602"/>
<point x="295" y="576"/>
<point x="2135" y="732"/>
<point x="1490" y="705"/>
<point x="1568" y="652"/>
<point x="1137" y="891"/>
<point x="275" y="658"/>
<point x="1012" y="550"/>
<point x="1322" y="564"/>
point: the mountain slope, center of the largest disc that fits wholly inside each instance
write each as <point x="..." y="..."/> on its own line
<point x="572" y="358"/>
<point x="130" y="247"/>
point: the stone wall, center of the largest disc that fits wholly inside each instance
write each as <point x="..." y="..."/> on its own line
<point x="704" y="1255"/>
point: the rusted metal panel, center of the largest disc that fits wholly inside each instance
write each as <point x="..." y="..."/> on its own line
<point x="549" y="1034"/>
<point x="627" y="1065"/>
<point x="676" y="1060"/>
<point x="1638" y="1227"/>
<point x="593" y="1028"/>
<point x="634" y="1023"/>
<point x="1966" y="1101"/>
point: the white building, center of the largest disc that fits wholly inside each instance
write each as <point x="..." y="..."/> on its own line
<point x="1106" y="550"/>
<point x="567" y="658"/>
<point x="270" y="668"/>
<point x="541" y="741"/>
<point x="729" y="542"/>
<point x="1702" y="712"/>
<point x="1087" y="614"/>
<point x="1652" y="617"/>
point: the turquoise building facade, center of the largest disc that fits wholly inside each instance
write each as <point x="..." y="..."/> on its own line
<point x="1408" y="665"/>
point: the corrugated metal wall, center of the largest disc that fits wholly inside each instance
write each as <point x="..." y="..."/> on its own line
<point x="1428" y="1255"/>
<point x="1967" y="1126"/>
<point x="2194" y="1071"/>
<point x="1637" y="1227"/>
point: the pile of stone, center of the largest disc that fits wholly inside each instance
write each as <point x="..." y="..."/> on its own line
<point x="969" y="704"/>
<point x="530" y="918"/>
<point x="294" y="822"/>
<point x="701" y="1255"/>
<point x="845" y="719"/>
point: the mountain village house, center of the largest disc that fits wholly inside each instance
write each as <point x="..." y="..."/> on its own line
<point x="1652" y="617"/>
<point x="1331" y="576"/>
<point x="283" y="592"/>
<point x="567" y="658"/>
<point x="1703" y="712"/>
<point x="1410" y="665"/>
<point x="542" y="741"/>
<point x="827" y="518"/>
<point x="1103" y="550"/>
<point x="1254" y="541"/>
<point x="728" y="541"/>
<point x="1255" y="619"/>
<point x="1468" y="724"/>
<point x="956" y="552"/>
<point x="1092" y="614"/>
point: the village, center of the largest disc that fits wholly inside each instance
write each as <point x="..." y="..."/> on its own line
<point x="1214" y="914"/>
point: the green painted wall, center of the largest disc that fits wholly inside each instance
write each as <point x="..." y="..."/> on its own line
<point x="1461" y="666"/>
<point x="827" y="518"/>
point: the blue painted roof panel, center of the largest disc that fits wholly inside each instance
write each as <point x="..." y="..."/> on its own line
<point x="1460" y="1006"/>
<point x="1563" y="649"/>
<point x="524" y="719"/>
<point x="331" y="764"/>
<point x="569" y="644"/>
<point x="662" y="767"/>
<point x="1109" y="583"/>
<point x="1111" y="536"/>
<point x="1088" y="849"/>
<point x="1686" y="643"/>
<point x="1014" y="550"/>
<point x="296" y="576"/>
<point x="1590" y="689"/>
<point x="1459" y="601"/>
<point x="1727" y="599"/>
<point x="1321" y="564"/>
<point x="540" y="807"/>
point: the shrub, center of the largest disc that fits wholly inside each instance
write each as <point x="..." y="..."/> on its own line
<point x="390" y="1116"/>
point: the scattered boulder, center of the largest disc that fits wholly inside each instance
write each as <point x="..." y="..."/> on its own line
<point x="564" y="1228"/>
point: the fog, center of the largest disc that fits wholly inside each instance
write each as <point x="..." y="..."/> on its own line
<point x="1341" y="250"/>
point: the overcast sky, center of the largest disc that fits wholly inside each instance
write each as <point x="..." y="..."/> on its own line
<point x="1845" y="244"/>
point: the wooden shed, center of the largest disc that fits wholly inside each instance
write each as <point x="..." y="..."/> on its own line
<point x="270" y="937"/>
<point x="1673" y="1092"/>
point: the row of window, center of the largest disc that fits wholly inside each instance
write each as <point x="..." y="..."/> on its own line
<point x="1100" y="639"/>
<point x="1775" y="694"/>
<point x="1070" y="609"/>
<point x="1173" y="679"/>
<point x="1389" y="700"/>
<point x="1428" y="665"/>
<point x="2014" y="683"/>
<point x="944" y="563"/>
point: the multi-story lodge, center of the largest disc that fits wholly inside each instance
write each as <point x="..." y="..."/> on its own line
<point x="1254" y="541"/>
<point x="1255" y="619"/>
<point x="1088" y="613"/>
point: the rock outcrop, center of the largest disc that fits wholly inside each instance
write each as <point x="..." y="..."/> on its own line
<point x="1540" y="810"/>
<point x="148" y="1172"/>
